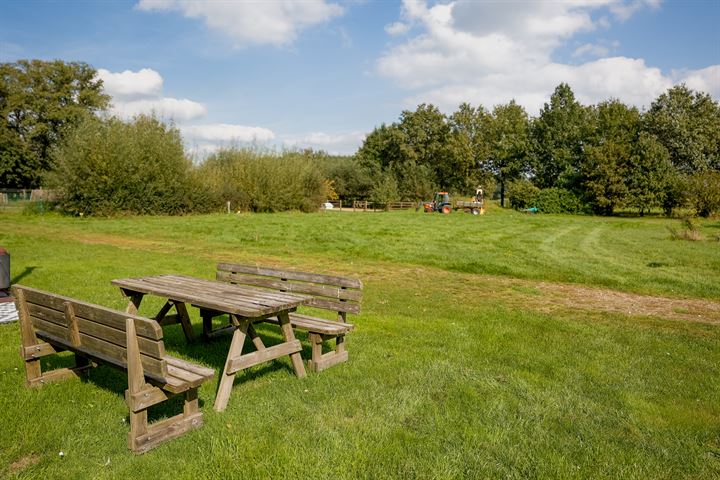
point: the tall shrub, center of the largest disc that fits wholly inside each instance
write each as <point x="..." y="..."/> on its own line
<point x="107" y="166"/>
<point x="263" y="181"/>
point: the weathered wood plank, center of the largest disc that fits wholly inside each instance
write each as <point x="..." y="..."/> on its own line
<point x="227" y="377"/>
<point x="144" y="398"/>
<point x="213" y="295"/>
<point x="73" y="330"/>
<point x="291" y="275"/>
<point x="144" y="327"/>
<point x="328" y="360"/>
<point x="41" y="325"/>
<point x="118" y="355"/>
<point x="48" y="314"/>
<point x="191" y="367"/>
<point x="164" y="430"/>
<point x="289" y="337"/>
<point x="151" y="348"/>
<point x="331" y="292"/>
<point x="41" y="349"/>
<point x="269" y="353"/>
<point x="57" y="375"/>
<point x="45" y="299"/>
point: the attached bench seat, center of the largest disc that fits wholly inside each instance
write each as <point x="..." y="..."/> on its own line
<point x="51" y="323"/>
<point x="332" y="293"/>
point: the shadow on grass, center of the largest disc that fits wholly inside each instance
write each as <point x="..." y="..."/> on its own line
<point x="23" y="274"/>
<point x="115" y="380"/>
<point x="213" y="352"/>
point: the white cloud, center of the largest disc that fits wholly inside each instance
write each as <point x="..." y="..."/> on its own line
<point x="205" y="139"/>
<point x="141" y="92"/>
<point x="625" y="10"/>
<point x="591" y="49"/>
<point x="274" y="22"/>
<point x="143" y="83"/>
<point x="492" y="52"/>
<point x="333" y="143"/>
<point x="706" y="79"/>
<point x="224" y="132"/>
<point x="167" y="108"/>
<point x="397" y="28"/>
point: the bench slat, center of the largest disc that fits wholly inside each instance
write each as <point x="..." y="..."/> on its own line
<point x="119" y="355"/>
<point x="48" y="314"/>
<point x="112" y="318"/>
<point x="148" y="347"/>
<point x="294" y="287"/>
<point x="185" y="365"/>
<point x="320" y="325"/>
<point x="292" y="275"/>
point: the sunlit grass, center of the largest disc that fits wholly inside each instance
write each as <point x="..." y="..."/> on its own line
<point x="440" y="383"/>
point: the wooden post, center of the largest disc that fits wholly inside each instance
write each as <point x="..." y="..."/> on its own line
<point x="33" y="370"/>
<point x="74" y="337"/>
<point x="136" y="382"/>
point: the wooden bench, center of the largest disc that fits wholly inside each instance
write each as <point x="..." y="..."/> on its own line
<point x="336" y="294"/>
<point x="52" y="323"/>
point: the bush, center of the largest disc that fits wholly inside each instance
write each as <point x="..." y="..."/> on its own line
<point x="106" y="166"/>
<point x="522" y="194"/>
<point x="703" y="191"/>
<point x="263" y="181"/>
<point x="557" y="200"/>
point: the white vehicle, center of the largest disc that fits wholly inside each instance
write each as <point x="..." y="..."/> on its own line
<point x="328" y="206"/>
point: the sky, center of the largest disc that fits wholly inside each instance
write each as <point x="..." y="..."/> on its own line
<point x="324" y="73"/>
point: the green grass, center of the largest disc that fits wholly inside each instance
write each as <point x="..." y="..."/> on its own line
<point x="440" y="383"/>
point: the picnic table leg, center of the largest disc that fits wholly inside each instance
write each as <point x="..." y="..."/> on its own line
<point x="184" y="318"/>
<point x="257" y="341"/>
<point x="226" y="379"/>
<point x="289" y="336"/>
<point x="134" y="299"/>
<point x="207" y="317"/>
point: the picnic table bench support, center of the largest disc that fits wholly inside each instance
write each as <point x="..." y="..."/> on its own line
<point x="140" y="396"/>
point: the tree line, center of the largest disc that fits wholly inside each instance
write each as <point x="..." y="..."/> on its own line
<point x="598" y="157"/>
<point x="56" y="133"/>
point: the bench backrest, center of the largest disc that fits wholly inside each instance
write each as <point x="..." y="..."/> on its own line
<point x="339" y="294"/>
<point x="95" y="330"/>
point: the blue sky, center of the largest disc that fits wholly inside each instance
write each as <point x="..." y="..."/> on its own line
<point x="323" y="73"/>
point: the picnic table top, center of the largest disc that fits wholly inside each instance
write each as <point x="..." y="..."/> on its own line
<point x="224" y="297"/>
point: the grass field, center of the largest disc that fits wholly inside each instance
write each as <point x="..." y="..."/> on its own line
<point x="467" y="362"/>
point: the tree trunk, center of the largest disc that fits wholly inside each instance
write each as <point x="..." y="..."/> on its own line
<point x="502" y="193"/>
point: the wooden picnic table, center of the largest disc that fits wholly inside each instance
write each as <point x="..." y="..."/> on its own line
<point x="244" y="305"/>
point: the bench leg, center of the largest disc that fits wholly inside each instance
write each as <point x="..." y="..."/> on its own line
<point x="321" y="361"/>
<point x="140" y="396"/>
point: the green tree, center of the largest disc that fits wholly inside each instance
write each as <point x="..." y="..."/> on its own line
<point x="508" y="139"/>
<point x="607" y="159"/>
<point x="559" y="136"/>
<point x="704" y="192"/>
<point x="40" y="103"/>
<point x="425" y="136"/>
<point x="649" y="176"/>
<point x="687" y="123"/>
<point x="469" y="147"/>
